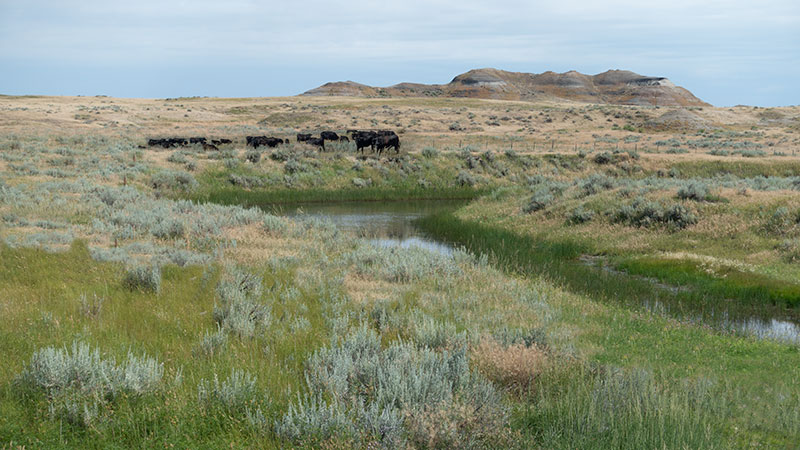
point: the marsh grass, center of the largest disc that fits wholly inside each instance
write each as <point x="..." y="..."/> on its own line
<point x="741" y="169"/>
<point x="583" y="407"/>
<point x="723" y="283"/>
<point x="558" y="260"/>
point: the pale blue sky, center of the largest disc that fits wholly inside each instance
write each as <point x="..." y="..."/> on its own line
<point x="726" y="52"/>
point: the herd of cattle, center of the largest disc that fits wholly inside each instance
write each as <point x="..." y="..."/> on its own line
<point x="377" y="140"/>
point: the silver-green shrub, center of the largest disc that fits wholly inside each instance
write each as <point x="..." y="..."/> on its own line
<point x="430" y="333"/>
<point x="143" y="278"/>
<point x="254" y="156"/>
<point x="465" y="179"/>
<point x="645" y="213"/>
<point x="239" y="308"/>
<point x="399" y="264"/>
<point x="430" y="152"/>
<point x="84" y="370"/>
<point x="173" y="180"/>
<point x="236" y="393"/>
<point x="540" y="199"/>
<point x="580" y="215"/>
<point x="396" y="396"/>
<point x="694" y="190"/>
<point x="594" y="184"/>
<point x="212" y="343"/>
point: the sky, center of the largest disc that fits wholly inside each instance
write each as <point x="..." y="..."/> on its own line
<point x="727" y="52"/>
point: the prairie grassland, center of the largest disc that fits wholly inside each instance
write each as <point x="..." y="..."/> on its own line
<point x="134" y="317"/>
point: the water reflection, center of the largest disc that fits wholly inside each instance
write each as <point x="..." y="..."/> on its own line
<point x="754" y="323"/>
<point x="386" y="224"/>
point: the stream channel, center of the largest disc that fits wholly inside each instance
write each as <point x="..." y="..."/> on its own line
<point x="392" y="224"/>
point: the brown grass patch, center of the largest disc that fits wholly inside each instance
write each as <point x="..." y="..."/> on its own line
<point x="365" y="291"/>
<point x="515" y="367"/>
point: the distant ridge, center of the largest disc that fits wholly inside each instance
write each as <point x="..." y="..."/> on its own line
<point x="619" y="87"/>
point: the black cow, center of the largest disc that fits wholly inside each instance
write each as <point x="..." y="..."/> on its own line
<point x="329" y="136"/>
<point x="364" y="139"/>
<point x="221" y="141"/>
<point x="382" y="142"/>
<point x="168" y="142"/>
<point x="387" y="133"/>
<point x="344" y="139"/>
<point x="303" y="137"/>
<point x="258" y="141"/>
<point x="197" y="140"/>
<point x="318" y="142"/>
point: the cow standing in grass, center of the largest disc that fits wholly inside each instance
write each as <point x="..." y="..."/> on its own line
<point x="384" y="141"/>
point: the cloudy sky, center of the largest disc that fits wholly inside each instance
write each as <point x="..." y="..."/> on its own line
<point x="727" y="52"/>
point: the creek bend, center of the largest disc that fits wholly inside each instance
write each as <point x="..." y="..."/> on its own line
<point x="394" y="223"/>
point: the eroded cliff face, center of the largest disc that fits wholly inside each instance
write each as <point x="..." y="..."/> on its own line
<point x="620" y="87"/>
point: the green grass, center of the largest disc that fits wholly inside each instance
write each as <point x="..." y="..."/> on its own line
<point x="256" y="197"/>
<point x="743" y="169"/>
<point x="727" y="282"/>
<point x="215" y="187"/>
<point x="558" y="260"/>
<point x="40" y="295"/>
<point x="749" y="377"/>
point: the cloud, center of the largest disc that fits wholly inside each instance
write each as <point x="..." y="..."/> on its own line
<point x="682" y="37"/>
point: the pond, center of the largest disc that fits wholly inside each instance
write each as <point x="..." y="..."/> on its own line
<point x="384" y="223"/>
<point x="392" y="224"/>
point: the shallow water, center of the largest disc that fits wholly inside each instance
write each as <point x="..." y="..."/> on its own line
<point x="392" y="224"/>
<point x="384" y="223"/>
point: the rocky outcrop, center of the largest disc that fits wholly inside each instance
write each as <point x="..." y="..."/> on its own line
<point x="621" y="87"/>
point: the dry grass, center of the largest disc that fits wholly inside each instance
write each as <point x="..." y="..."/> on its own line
<point x="516" y="366"/>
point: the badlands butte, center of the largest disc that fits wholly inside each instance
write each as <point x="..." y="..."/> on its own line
<point x="619" y="87"/>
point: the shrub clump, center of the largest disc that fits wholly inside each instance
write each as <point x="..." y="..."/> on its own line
<point x="361" y="183"/>
<point x="456" y="126"/>
<point x="236" y="394"/>
<point x="281" y="154"/>
<point x="694" y="190"/>
<point x="397" y="264"/>
<point x="143" y="278"/>
<point x="603" y="158"/>
<point x="430" y="152"/>
<point x="398" y="397"/>
<point x="580" y="215"/>
<point x="254" y="156"/>
<point x="465" y="179"/>
<point x="294" y="166"/>
<point x="538" y="201"/>
<point x="173" y="180"/>
<point x="646" y="214"/>
<point x="239" y="308"/>
<point x="212" y="342"/>
<point x="781" y="222"/>
<point x="80" y="383"/>
<point x="594" y="184"/>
